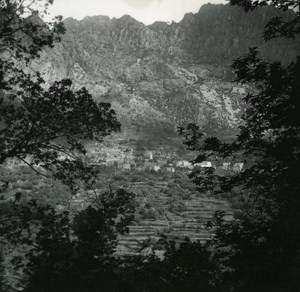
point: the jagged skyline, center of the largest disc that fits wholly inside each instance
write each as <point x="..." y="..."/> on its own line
<point x="146" y="11"/>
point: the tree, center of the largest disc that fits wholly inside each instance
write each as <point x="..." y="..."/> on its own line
<point x="23" y="32"/>
<point x="184" y="267"/>
<point x="187" y="268"/>
<point x="39" y="125"/>
<point x="259" y="249"/>
<point x="46" y="127"/>
<point x="75" y="252"/>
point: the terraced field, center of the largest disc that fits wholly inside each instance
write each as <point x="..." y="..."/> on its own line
<point x="176" y="216"/>
<point x="166" y="203"/>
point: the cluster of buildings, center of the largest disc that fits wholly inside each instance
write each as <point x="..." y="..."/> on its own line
<point x="122" y="157"/>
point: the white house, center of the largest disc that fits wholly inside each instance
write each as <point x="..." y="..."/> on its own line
<point x="156" y="168"/>
<point x="184" y="164"/>
<point x="149" y="154"/>
<point x="170" y="169"/>
<point x="226" y="165"/>
<point x="238" y="167"/>
<point x="126" y="166"/>
<point x="204" y="164"/>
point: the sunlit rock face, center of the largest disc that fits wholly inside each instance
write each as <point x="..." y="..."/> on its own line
<point x="164" y="75"/>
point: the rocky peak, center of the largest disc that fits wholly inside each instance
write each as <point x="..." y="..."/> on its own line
<point x="71" y="21"/>
<point x="98" y="20"/>
<point x="127" y="19"/>
<point x="162" y="75"/>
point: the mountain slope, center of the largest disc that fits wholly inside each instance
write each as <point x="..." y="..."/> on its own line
<point x="163" y="75"/>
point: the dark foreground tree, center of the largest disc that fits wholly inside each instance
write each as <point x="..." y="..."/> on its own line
<point x="260" y="249"/>
<point x="78" y="254"/>
<point x="44" y="126"/>
<point x="40" y="125"/>
<point x="184" y="267"/>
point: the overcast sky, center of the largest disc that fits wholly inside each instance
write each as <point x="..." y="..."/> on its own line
<point x="146" y="11"/>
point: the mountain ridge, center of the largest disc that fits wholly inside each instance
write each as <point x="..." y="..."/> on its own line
<point x="163" y="75"/>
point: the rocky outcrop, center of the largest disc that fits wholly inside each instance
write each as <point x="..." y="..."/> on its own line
<point x="163" y="75"/>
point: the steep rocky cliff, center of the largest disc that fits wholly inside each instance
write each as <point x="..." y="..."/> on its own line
<point x="164" y="75"/>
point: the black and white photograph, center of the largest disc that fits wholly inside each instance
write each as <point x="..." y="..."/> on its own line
<point x="149" y="146"/>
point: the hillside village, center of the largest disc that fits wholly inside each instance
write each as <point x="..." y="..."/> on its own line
<point x="127" y="158"/>
<point x="160" y="209"/>
<point x="166" y="201"/>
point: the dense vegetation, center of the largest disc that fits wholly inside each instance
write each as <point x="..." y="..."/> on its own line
<point x="259" y="250"/>
<point x="45" y="128"/>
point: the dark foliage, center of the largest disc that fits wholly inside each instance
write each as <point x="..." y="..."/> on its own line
<point x="77" y="254"/>
<point x="43" y="125"/>
<point x="186" y="267"/>
<point x="23" y="32"/>
<point x="259" y="249"/>
<point x="46" y="127"/>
